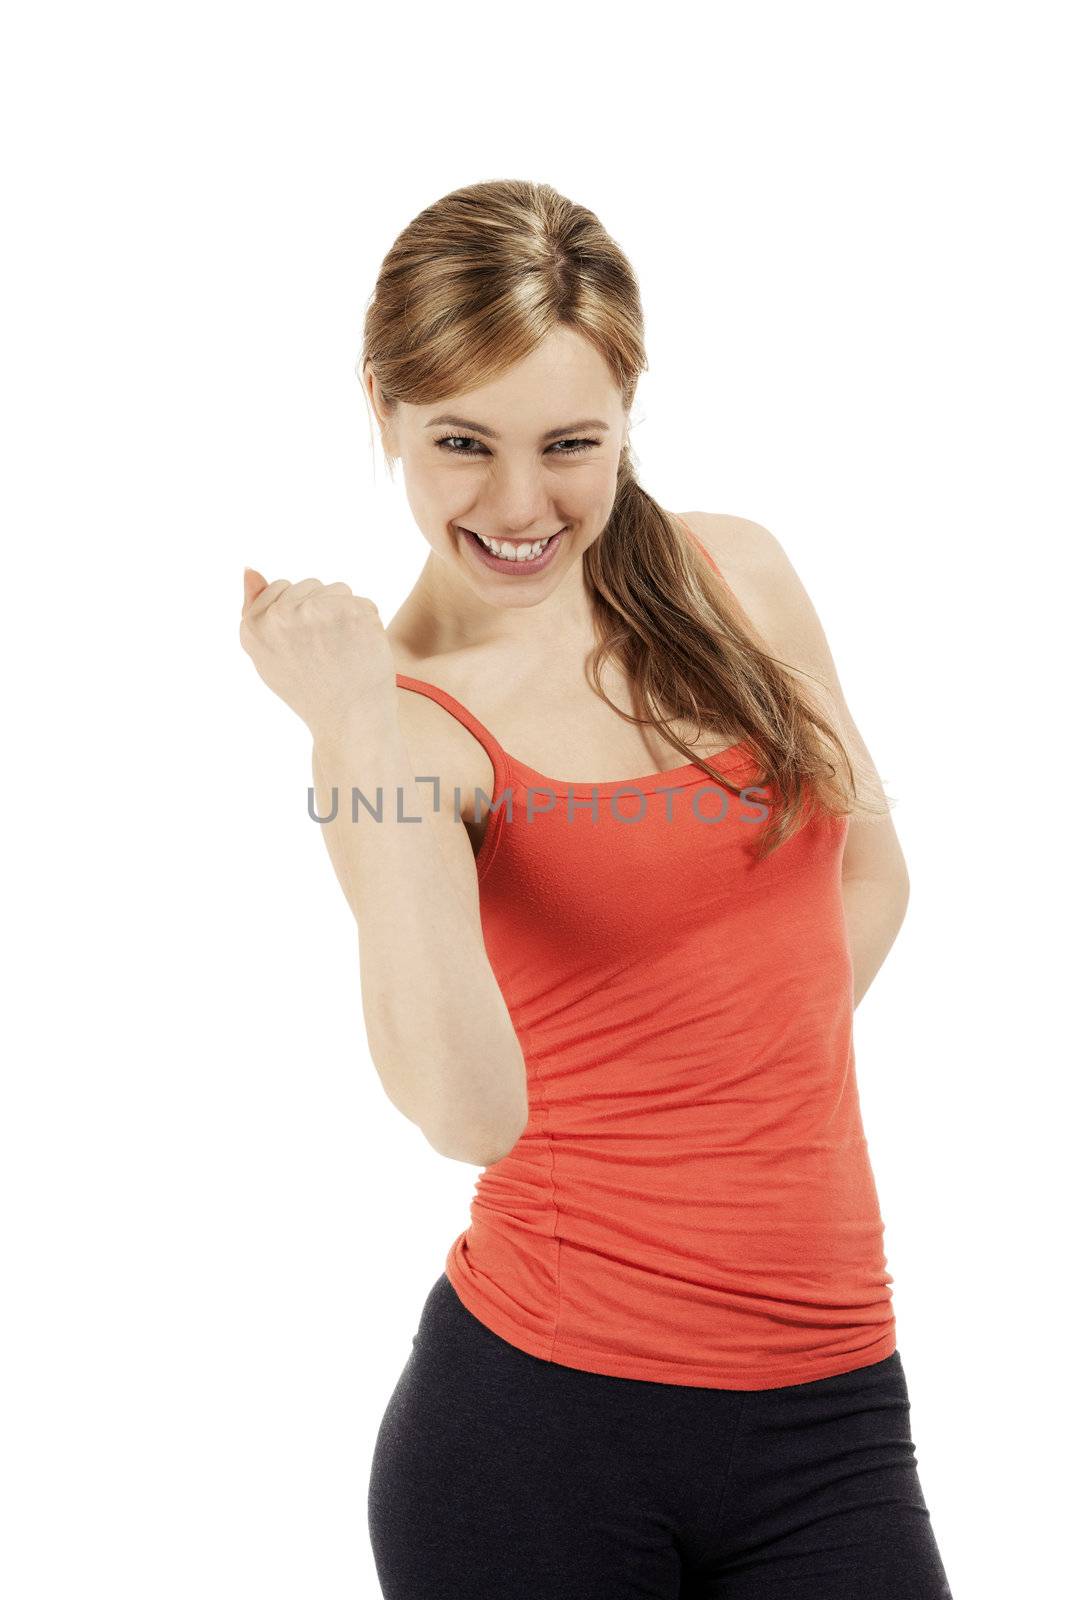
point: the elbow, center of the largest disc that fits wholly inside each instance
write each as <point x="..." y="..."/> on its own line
<point x="477" y="1123"/>
<point x="481" y="1124"/>
<point x="476" y="1150"/>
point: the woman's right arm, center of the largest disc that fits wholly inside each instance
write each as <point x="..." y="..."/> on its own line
<point x="438" y="1030"/>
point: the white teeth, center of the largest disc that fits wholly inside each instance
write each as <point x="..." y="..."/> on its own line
<point x="512" y="552"/>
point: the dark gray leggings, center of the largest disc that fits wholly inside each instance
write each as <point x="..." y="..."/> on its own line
<point x="497" y="1475"/>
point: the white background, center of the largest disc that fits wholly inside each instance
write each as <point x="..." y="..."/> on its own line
<point x="217" y="1233"/>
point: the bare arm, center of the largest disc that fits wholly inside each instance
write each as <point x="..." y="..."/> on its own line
<point x="874" y="911"/>
<point x="874" y="874"/>
<point x="439" y="1032"/>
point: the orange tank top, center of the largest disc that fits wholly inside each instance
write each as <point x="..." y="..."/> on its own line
<point x="692" y="1200"/>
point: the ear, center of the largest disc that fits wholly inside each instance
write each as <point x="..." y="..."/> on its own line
<point x="374" y="393"/>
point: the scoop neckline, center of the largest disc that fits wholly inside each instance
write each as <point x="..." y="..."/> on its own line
<point x="734" y="754"/>
<point x="646" y="783"/>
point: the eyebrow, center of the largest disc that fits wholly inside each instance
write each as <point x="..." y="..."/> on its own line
<point x="490" y="433"/>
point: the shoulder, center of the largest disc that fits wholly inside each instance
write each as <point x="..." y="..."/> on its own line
<point x="440" y="745"/>
<point x="756" y="566"/>
<point x="736" y="538"/>
<point x="743" y="549"/>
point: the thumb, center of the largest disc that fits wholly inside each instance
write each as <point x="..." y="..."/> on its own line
<point x="255" y="583"/>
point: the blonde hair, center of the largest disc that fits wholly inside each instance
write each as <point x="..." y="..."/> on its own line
<point x="472" y="285"/>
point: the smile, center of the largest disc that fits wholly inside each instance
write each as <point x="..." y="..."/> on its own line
<point x="502" y="554"/>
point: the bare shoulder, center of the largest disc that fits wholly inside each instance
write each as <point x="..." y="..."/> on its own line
<point x="441" y="746"/>
<point x="738" y="540"/>
<point x="777" y="606"/>
<point x="757" y="568"/>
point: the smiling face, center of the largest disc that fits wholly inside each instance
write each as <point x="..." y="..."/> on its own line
<point x="511" y="482"/>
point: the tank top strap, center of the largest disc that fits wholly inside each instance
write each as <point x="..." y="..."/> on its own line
<point x="706" y="553"/>
<point x="493" y="748"/>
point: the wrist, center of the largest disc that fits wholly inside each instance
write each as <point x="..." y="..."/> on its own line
<point x="357" y="732"/>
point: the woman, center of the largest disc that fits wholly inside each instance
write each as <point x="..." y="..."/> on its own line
<point x="662" y="1358"/>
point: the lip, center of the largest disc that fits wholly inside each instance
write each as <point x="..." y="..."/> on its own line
<point x="501" y="563"/>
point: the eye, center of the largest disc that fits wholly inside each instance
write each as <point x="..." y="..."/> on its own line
<point x="574" y="447"/>
<point x="457" y="438"/>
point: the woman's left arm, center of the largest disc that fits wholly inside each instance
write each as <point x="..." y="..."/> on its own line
<point x="874" y="875"/>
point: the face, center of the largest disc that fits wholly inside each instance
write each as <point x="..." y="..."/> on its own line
<point x="512" y="481"/>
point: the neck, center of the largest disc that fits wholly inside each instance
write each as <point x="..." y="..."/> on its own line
<point x="442" y="615"/>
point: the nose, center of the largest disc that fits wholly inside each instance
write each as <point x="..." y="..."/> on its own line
<point x="521" y="506"/>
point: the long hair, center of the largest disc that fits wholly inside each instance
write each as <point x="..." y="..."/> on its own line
<point x="472" y="285"/>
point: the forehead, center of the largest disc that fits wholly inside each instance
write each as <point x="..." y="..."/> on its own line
<point x="565" y="376"/>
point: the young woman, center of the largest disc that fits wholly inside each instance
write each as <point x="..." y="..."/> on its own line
<point x="616" y="967"/>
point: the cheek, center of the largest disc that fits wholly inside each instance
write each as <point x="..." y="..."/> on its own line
<point x="435" y="497"/>
<point x="598" y="493"/>
<point x="444" y="487"/>
<point x="587" y="487"/>
<point x="603" y="473"/>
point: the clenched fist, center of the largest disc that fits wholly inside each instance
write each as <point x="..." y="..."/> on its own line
<point x="321" y="648"/>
